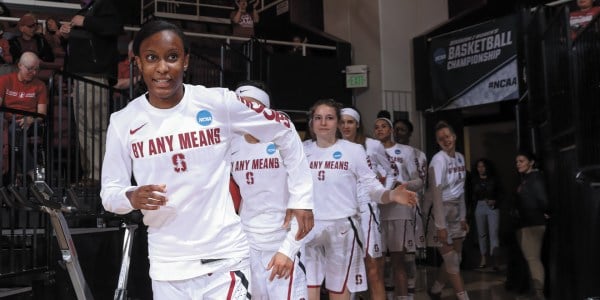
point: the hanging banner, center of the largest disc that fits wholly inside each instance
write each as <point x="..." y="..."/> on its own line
<point x="475" y="65"/>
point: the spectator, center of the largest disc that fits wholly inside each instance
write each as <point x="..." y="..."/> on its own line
<point x="580" y="18"/>
<point x="532" y="211"/>
<point x="24" y="91"/>
<point x="123" y="80"/>
<point x="30" y="41"/>
<point x="93" y="54"/>
<point x="55" y="38"/>
<point x="243" y="21"/>
<point x="484" y="187"/>
<point x="298" y="48"/>
<point x="5" y="56"/>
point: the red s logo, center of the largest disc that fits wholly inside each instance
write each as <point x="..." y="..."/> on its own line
<point x="179" y="163"/>
<point x="249" y="178"/>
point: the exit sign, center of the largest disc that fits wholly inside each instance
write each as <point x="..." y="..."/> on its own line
<point x="356" y="76"/>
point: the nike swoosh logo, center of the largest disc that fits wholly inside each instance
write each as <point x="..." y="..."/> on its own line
<point x="133" y="131"/>
<point x="342" y="233"/>
<point x="241" y="91"/>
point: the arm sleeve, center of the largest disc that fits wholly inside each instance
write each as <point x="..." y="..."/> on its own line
<point x="116" y="174"/>
<point x="106" y="21"/>
<point x="380" y="158"/>
<point x="367" y="181"/>
<point x="269" y="125"/>
<point x="436" y="194"/>
<point x="290" y="246"/>
<point x="540" y="191"/>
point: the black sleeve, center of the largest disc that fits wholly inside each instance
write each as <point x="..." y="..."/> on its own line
<point x="15" y="49"/>
<point x="540" y="192"/>
<point x="46" y="53"/>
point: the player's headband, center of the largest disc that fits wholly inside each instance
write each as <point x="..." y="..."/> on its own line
<point x="351" y="112"/>
<point x="255" y="93"/>
<point x="389" y="122"/>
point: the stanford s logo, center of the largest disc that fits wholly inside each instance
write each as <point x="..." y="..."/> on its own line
<point x="179" y="163"/>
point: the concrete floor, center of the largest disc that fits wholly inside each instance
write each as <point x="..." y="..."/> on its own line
<point x="481" y="284"/>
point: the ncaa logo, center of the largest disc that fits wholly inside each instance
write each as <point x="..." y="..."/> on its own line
<point x="271" y="148"/>
<point x="397" y="151"/>
<point x="439" y="56"/>
<point x="337" y="155"/>
<point x="204" y="117"/>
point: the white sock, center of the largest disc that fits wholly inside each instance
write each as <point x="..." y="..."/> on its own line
<point x="410" y="297"/>
<point x="402" y="298"/>
<point x="462" y="295"/>
<point x="437" y="287"/>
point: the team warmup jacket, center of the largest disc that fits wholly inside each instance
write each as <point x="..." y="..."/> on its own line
<point x="259" y="171"/>
<point x="338" y="172"/>
<point x="187" y="147"/>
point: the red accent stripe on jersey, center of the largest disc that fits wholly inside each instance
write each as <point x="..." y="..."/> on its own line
<point x="369" y="234"/>
<point x="236" y="196"/>
<point x="313" y="286"/>
<point x="290" y="285"/>
<point x="347" y="270"/>
<point x="231" y="286"/>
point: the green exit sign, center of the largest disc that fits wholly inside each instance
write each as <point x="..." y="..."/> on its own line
<point x="356" y="80"/>
<point x="356" y="76"/>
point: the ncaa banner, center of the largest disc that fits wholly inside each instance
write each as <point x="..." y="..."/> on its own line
<point x="475" y="65"/>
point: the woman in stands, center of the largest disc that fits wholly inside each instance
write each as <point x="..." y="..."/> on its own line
<point x="447" y="174"/>
<point x="352" y="130"/>
<point x="174" y="140"/>
<point x="242" y="20"/>
<point x="340" y="172"/>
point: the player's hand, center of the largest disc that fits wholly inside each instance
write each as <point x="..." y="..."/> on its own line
<point x="443" y="235"/>
<point x="403" y="196"/>
<point x="464" y="226"/>
<point x="280" y="266"/>
<point x="305" y="218"/>
<point x="148" y="197"/>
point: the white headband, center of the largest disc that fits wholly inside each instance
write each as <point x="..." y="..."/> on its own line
<point x="255" y="93"/>
<point x="391" y="126"/>
<point x="351" y="112"/>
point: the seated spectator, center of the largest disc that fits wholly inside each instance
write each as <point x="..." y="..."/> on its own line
<point x="243" y="21"/>
<point x="30" y="41"/>
<point x="124" y="81"/>
<point x="24" y="91"/>
<point x="581" y="17"/>
<point x="5" y="56"/>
